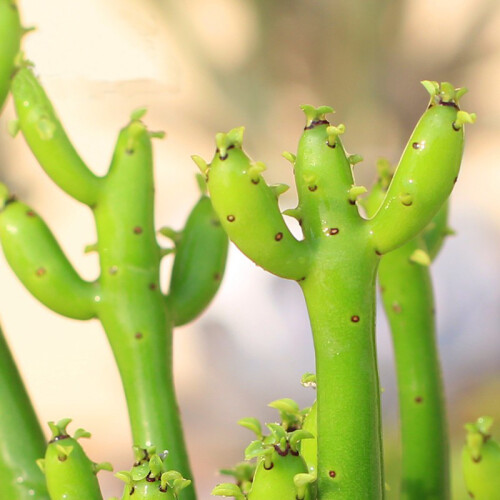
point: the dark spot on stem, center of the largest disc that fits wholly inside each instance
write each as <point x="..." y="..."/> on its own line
<point x="129" y="152"/>
<point x="113" y="270"/>
<point x="30" y="213"/>
<point x="332" y="474"/>
<point x="150" y="479"/>
<point x="300" y="222"/>
<point x="333" y="231"/>
<point x="352" y="202"/>
<point x="355" y="319"/>
<point x="313" y="187"/>
<point x="278" y="237"/>
<point x="279" y="451"/>
<point x="455" y="128"/>
<point x="217" y="276"/>
<point x="333" y="146"/>
<point x="455" y="180"/>
<point x="382" y="289"/>
<point x="215" y="222"/>
<point x="417" y="145"/>
<point x="153" y="286"/>
<point x="132" y="490"/>
<point x="270" y="467"/>
<point x="294" y="453"/>
<point x="138" y="335"/>
<point x="316" y="123"/>
<point x="137" y="230"/>
<point x="41" y="271"/>
<point x="231" y="218"/>
<point x="223" y="157"/>
<point x="62" y="458"/>
<point x="407" y="201"/>
<point x="255" y="181"/>
<point x="302" y="279"/>
<point x="471" y="494"/>
<point x="396" y="307"/>
<point x="377" y="252"/>
<point x="446" y="103"/>
<point x="418" y="399"/>
<point x="163" y="490"/>
<point x="477" y="460"/>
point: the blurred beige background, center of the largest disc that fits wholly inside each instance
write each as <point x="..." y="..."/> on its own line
<point x="203" y="66"/>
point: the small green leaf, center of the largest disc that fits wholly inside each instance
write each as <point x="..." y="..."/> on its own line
<point x="138" y="113"/>
<point x="251" y="424"/>
<point x="286" y="404"/>
<point x="228" y="490"/>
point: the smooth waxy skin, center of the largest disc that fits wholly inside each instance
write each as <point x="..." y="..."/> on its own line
<point x="336" y="266"/>
<point x="11" y="32"/>
<point x="69" y="473"/>
<point x="481" y="461"/>
<point x="277" y="482"/>
<point x="21" y="438"/>
<point x="137" y="316"/>
<point x="408" y="300"/>
<point x="43" y="268"/>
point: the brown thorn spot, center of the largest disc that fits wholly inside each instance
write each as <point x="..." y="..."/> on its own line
<point x="355" y="319"/>
<point x="62" y="458"/>
<point x="377" y="252"/>
<point x="455" y="128"/>
<point x="407" y="203"/>
<point x="455" y="180"/>
<point x="416" y="145"/>
<point x="278" y="237"/>
<point x="302" y="279"/>
<point x="270" y="467"/>
<point x="477" y="460"/>
<point x="418" y="399"/>
<point x="315" y="123"/>
<point x="352" y="202"/>
<point x="396" y="307"/>
<point x="333" y="146"/>
<point x="332" y="473"/>
<point x="471" y="494"/>
<point x="41" y="271"/>
<point x="255" y="181"/>
<point x="231" y="218"/>
<point x="333" y="231"/>
<point x="30" y="213"/>
<point x="217" y="276"/>
<point x="300" y="222"/>
<point x="153" y="286"/>
<point x="113" y="270"/>
<point x="129" y="151"/>
<point x="137" y="230"/>
<point x="313" y="187"/>
<point x="138" y="335"/>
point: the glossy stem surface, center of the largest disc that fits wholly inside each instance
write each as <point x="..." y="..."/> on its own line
<point x="21" y="438"/>
<point x="341" y="306"/>
<point x="409" y="305"/>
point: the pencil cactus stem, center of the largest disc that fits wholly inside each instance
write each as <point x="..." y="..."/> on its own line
<point x="199" y="264"/>
<point x="21" y="438"/>
<point x="39" y="262"/>
<point x="11" y="30"/>
<point x="48" y="140"/>
<point x="424" y="177"/>
<point x="249" y="212"/>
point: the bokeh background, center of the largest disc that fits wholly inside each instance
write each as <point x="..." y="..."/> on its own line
<point x="203" y="66"/>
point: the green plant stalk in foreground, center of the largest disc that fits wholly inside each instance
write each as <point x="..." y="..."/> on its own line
<point x="336" y="263"/>
<point x="21" y="438"/>
<point x="406" y="292"/>
<point x="11" y="33"/>
<point x="136" y="315"/>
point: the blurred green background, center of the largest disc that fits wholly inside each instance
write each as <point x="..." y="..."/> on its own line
<point x="203" y="66"/>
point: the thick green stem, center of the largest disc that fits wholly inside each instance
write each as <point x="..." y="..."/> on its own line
<point x="132" y="308"/>
<point x="408" y="301"/>
<point x="21" y="438"/>
<point x="341" y="304"/>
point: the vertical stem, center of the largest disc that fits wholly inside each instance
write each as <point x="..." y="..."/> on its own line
<point x="408" y="301"/>
<point x="21" y="438"/>
<point x="341" y="305"/>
